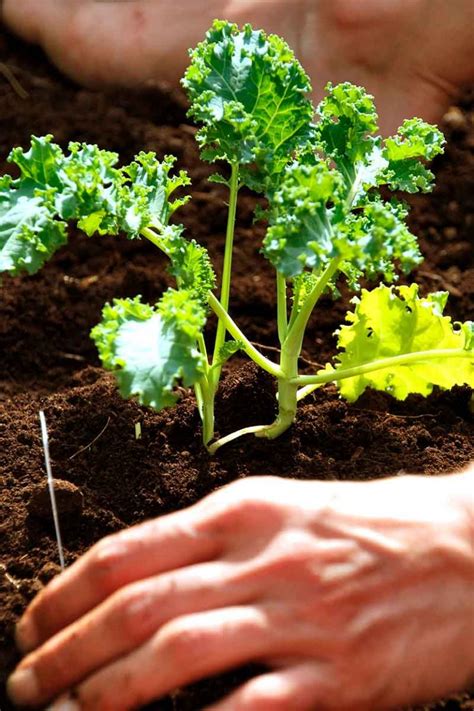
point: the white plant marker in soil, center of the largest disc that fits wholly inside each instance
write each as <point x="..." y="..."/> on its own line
<point x="47" y="461"/>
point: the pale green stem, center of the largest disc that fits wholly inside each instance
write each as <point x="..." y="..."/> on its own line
<point x="205" y="396"/>
<point x="307" y="390"/>
<point x="287" y="402"/>
<point x="384" y="363"/>
<point x="282" y="309"/>
<point x="290" y="352"/>
<point x="212" y="449"/>
<point x="298" y="327"/>
<point x="199" y="398"/>
<point x="154" y="238"/>
<point x="207" y="415"/>
<point x="238" y="335"/>
<point x="294" y="307"/>
<point x="203" y="349"/>
<point x="227" y="268"/>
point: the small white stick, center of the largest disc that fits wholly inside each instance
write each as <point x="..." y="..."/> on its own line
<point x="47" y="461"/>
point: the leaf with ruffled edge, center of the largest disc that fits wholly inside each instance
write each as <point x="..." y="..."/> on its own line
<point x="152" y="349"/>
<point x="300" y="233"/>
<point x="311" y="224"/>
<point x="327" y="205"/>
<point x="29" y="232"/>
<point x="388" y="323"/>
<point x="347" y="134"/>
<point x="83" y="185"/>
<point x="416" y="141"/>
<point x="250" y="93"/>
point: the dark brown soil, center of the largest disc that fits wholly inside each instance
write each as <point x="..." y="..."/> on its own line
<point x="111" y="479"/>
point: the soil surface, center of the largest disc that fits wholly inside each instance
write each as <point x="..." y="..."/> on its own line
<point x="110" y="479"/>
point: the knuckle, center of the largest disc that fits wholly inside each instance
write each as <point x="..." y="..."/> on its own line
<point x="134" y="613"/>
<point x="106" y="564"/>
<point x="180" y="643"/>
<point x="293" y="555"/>
<point x="248" y="499"/>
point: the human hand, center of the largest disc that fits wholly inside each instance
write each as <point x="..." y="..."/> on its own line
<point x="357" y="596"/>
<point x="413" y="55"/>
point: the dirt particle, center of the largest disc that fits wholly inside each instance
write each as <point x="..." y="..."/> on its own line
<point x="49" y="571"/>
<point x="69" y="499"/>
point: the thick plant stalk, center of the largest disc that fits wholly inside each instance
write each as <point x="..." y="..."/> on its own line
<point x="290" y="353"/>
<point x="287" y="397"/>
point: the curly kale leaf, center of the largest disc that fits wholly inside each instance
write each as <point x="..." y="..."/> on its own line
<point x="300" y="232"/>
<point x="375" y="239"/>
<point x="250" y="94"/>
<point x="29" y="232"/>
<point x="78" y="182"/>
<point x="415" y="141"/>
<point x="190" y="263"/>
<point x="83" y="185"/>
<point x="388" y="323"/>
<point x="347" y="134"/>
<point x="311" y="223"/>
<point x="152" y="349"/>
<point x="328" y="205"/>
<point x="148" y="184"/>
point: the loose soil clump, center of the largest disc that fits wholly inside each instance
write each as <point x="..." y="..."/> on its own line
<point x="110" y="479"/>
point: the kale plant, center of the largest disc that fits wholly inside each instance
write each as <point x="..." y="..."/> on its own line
<point x="326" y="214"/>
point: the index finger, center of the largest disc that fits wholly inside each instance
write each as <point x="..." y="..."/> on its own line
<point x="151" y="548"/>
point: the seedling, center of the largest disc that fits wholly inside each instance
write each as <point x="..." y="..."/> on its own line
<point x="326" y="217"/>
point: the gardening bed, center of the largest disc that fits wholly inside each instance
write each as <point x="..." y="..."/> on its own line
<point x="47" y="360"/>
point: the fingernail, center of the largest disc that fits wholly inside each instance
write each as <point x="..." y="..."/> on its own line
<point x="64" y="704"/>
<point x="26" y="637"/>
<point x="22" y="687"/>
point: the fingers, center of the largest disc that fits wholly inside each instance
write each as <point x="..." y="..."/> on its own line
<point x="123" y="623"/>
<point x="295" y="688"/>
<point x="141" y="552"/>
<point x="185" y="650"/>
<point x="21" y="17"/>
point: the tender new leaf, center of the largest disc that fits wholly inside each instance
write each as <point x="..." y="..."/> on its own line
<point x="397" y="324"/>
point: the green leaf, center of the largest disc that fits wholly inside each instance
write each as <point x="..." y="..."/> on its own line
<point x="29" y="232"/>
<point x="311" y="223"/>
<point x="390" y="322"/>
<point x="86" y="186"/>
<point x="229" y="349"/>
<point x="218" y="179"/>
<point x="415" y="141"/>
<point x="348" y="122"/>
<point x="250" y="94"/>
<point x="190" y="263"/>
<point x="39" y="164"/>
<point x="80" y="181"/>
<point x="328" y="205"/>
<point x="83" y="185"/>
<point x="374" y="239"/>
<point x="150" y="349"/>
<point x="300" y="232"/>
<point x="154" y="178"/>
